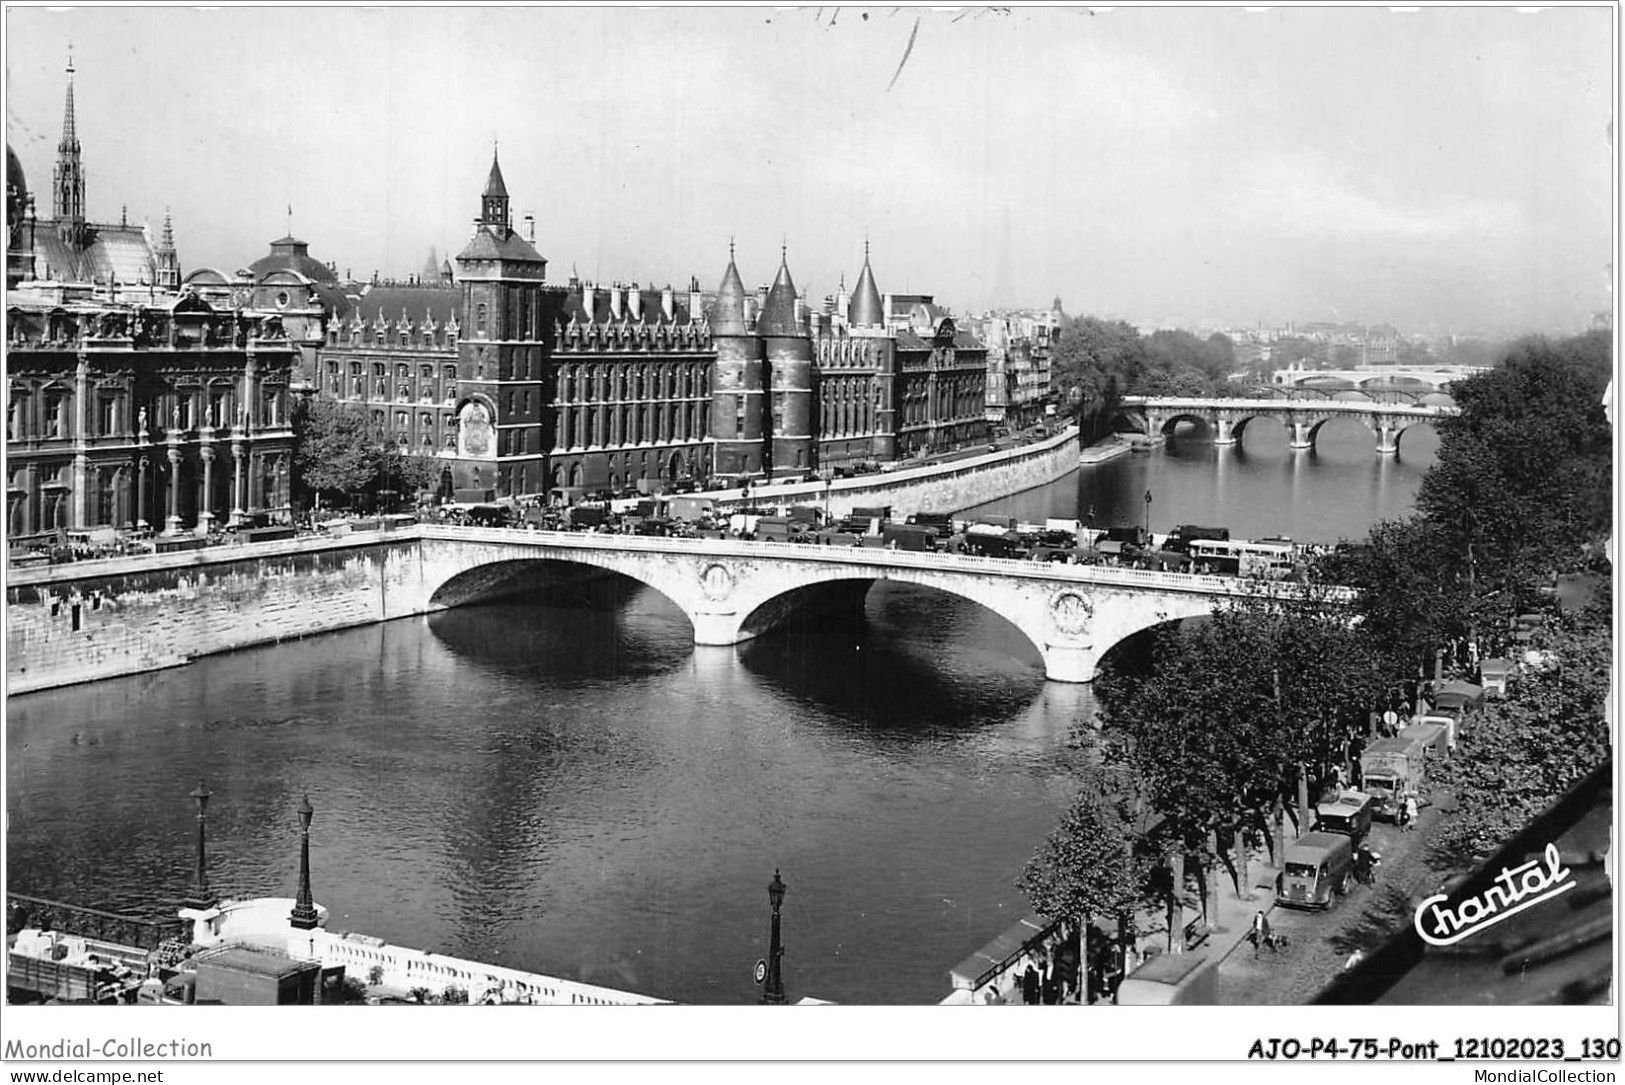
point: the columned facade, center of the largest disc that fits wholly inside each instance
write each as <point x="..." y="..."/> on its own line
<point x="138" y="417"/>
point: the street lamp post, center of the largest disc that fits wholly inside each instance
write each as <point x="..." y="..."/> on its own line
<point x="202" y="895"/>
<point x="303" y="917"/>
<point x="1148" y="518"/>
<point x="774" y="992"/>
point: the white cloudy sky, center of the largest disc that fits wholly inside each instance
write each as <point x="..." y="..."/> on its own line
<point x="1445" y="168"/>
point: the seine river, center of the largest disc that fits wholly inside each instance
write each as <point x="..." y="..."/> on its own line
<point x="568" y="785"/>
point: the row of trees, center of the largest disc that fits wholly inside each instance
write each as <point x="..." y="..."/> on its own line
<point x="1240" y="716"/>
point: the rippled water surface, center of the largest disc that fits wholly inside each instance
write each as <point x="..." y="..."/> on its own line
<point x="566" y="784"/>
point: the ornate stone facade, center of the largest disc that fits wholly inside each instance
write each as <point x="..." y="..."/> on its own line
<point x="171" y="415"/>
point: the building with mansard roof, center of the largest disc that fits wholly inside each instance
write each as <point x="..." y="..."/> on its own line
<point x="521" y="388"/>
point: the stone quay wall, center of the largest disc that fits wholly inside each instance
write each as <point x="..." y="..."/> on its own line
<point x="85" y="621"/>
<point x="90" y="620"/>
<point x="943" y="487"/>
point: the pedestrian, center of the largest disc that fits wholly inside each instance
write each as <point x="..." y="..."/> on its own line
<point x="1362" y="865"/>
<point x="1029" y="985"/>
<point x="1410" y="812"/>
<point x="1261" y="934"/>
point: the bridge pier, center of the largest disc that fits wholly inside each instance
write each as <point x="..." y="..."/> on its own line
<point x="720" y="629"/>
<point x="1300" y="435"/>
<point x="1070" y="662"/>
<point x="1224" y="432"/>
<point x="1387" y="440"/>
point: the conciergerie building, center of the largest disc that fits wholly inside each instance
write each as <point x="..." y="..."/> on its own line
<point x="521" y="387"/>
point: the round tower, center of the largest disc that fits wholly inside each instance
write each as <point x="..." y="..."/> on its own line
<point x="867" y="320"/>
<point x="787" y="346"/>
<point x="736" y="390"/>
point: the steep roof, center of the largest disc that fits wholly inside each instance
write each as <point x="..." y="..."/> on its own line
<point x="115" y="252"/>
<point x="575" y="307"/>
<point x="779" y="314"/>
<point x="866" y="308"/>
<point x="436" y="300"/>
<point x="486" y="245"/>
<point x="728" y="311"/>
<point x="494" y="185"/>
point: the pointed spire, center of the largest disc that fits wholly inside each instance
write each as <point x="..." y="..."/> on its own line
<point x="494" y="200"/>
<point x="866" y="308"/>
<point x="68" y="179"/>
<point x="167" y="241"/>
<point x="730" y="307"/>
<point x="494" y="185"/>
<point x="70" y="131"/>
<point x="779" y="314"/>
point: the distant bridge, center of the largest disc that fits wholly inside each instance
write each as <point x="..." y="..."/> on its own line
<point x="734" y="590"/>
<point x="1438" y="378"/>
<point x="1303" y="418"/>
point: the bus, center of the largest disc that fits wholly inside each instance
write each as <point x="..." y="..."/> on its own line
<point x="1272" y="559"/>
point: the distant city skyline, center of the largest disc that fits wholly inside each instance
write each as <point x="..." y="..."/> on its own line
<point x="1445" y="168"/>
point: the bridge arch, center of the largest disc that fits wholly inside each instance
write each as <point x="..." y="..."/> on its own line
<point x="510" y="577"/>
<point x="1166" y="423"/>
<point x="1400" y="431"/>
<point x="1238" y="427"/>
<point x="842" y="597"/>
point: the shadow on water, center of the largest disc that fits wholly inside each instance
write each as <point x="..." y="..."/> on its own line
<point x="591" y="631"/>
<point x="918" y="662"/>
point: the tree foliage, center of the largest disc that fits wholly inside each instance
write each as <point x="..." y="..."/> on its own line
<point x="1234" y="706"/>
<point x="1520" y="493"/>
<point x="338" y="455"/>
<point x="1087" y="866"/>
<point x="1521" y="752"/>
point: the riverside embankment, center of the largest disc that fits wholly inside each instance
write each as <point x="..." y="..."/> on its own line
<point x="90" y="620"/>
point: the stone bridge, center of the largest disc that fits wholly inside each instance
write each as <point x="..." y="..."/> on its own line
<point x="1437" y="378"/>
<point x="734" y="590"/>
<point x="1303" y="418"/>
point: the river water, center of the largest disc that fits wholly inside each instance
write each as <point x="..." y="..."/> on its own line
<point x="568" y="785"/>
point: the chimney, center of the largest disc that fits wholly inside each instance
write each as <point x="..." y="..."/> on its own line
<point x="668" y="303"/>
<point x="587" y="300"/>
<point x="615" y="306"/>
<point x="885" y="305"/>
<point x="694" y="299"/>
<point x="634" y="301"/>
<point x="530" y="229"/>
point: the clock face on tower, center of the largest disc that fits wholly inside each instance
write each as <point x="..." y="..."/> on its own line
<point x="474" y="431"/>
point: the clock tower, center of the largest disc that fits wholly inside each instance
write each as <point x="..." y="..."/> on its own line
<point x="503" y="356"/>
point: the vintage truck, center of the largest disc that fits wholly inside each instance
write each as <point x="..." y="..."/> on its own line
<point x="1390" y="770"/>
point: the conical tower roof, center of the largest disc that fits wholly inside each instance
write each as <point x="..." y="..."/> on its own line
<point x="493" y="184"/>
<point x="866" y="308"/>
<point x="779" y="314"/>
<point x="729" y="318"/>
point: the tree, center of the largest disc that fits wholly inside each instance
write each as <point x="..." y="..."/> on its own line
<point x="1087" y="867"/>
<point x="1520" y="753"/>
<point x="1520" y="493"/>
<point x="334" y="452"/>
<point x="1234" y="707"/>
<point x="338" y="455"/>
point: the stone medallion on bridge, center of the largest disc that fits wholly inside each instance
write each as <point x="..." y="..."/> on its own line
<point x="1071" y="612"/>
<point x="716" y="582"/>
